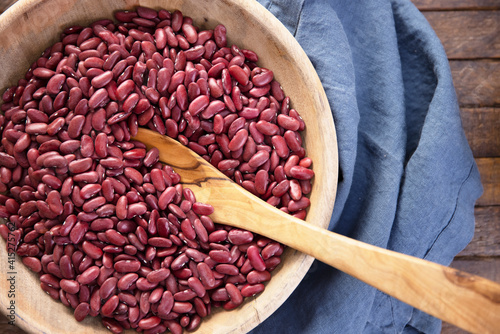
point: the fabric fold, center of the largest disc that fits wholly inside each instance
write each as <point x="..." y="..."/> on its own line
<point x="408" y="181"/>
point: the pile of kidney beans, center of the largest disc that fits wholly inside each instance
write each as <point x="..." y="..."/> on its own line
<point x="108" y="228"/>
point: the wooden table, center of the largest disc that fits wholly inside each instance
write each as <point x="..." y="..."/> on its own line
<point x="470" y="33"/>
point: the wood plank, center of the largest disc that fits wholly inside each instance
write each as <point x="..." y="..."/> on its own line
<point x="482" y="129"/>
<point x="425" y="5"/>
<point x="488" y="268"/>
<point x="476" y="82"/>
<point x="489" y="168"/>
<point x="7" y="328"/>
<point x="450" y="329"/>
<point x="4" y="4"/>
<point x="486" y="240"/>
<point x="467" y="34"/>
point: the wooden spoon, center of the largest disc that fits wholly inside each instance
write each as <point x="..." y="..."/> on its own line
<point x="462" y="299"/>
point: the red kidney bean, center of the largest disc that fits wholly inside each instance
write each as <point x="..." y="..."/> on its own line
<point x="206" y="275"/>
<point x="249" y="113"/>
<point x="149" y="323"/>
<point x="202" y="209"/>
<point x="108" y="287"/>
<point x="238" y="140"/>
<point x="301" y="173"/>
<point x="228" y="164"/>
<point x="55" y="203"/>
<point x="133" y="175"/>
<point x="255" y="258"/>
<point x="101" y="224"/>
<point x="239" y="237"/>
<point x="239" y="74"/>
<point x="227" y="269"/>
<point x="281" y="188"/>
<point x="92" y="250"/>
<point x="70" y="286"/>
<point x="31" y="262"/>
<point x="292" y="140"/>
<point x="298" y="205"/>
<point x="219" y="295"/>
<point x="36" y="128"/>
<point x="295" y="190"/>
<point x="159" y="242"/>
<point x="280" y="146"/>
<point x="126" y="281"/>
<point x="220" y="256"/>
<point x="103" y="79"/>
<point x="259" y="158"/>
<point x="159" y="275"/>
<point x="75" y="126"/>
<point x="127" y="266"/>
<point x="110" y="305"/>
<point x="261" y="181"/>
<point x="94" y="203"/>
<point x="80" y="166"/>
<point x="81" y="311"/>
<point x="122" y="207"/>
<point x="88" y="275"/>
<point x="55" y="83"/>
<point x="182" y="307"/>
<point x="166" y="303"/>
<point x="250" y="290"/>
<point x="255" y="277"/>
<point x="198" y="105"/>
<point x="185" y="295"/>
<point x="234" y="294"/>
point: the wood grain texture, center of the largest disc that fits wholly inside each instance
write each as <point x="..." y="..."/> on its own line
<point x="488" y="267"/>
<point x="477" y="86"/>
<point x="486" y="240"/>
<point x="489" y="169"/>
<point x="439" y="5"/>
<point x="482" y="264"/>
<point x="482" y="129"/>
<point x="476" y="82"/>
<point x="467" y="34"/>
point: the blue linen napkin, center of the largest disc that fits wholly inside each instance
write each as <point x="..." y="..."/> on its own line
<point x="408" y="180"/>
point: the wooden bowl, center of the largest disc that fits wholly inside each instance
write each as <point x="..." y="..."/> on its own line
<point x="30" y="26"/>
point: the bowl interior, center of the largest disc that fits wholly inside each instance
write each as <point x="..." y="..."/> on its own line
<point x="29" y="27"/>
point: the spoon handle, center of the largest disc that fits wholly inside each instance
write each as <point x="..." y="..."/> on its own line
<point x="465" y="300"/>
